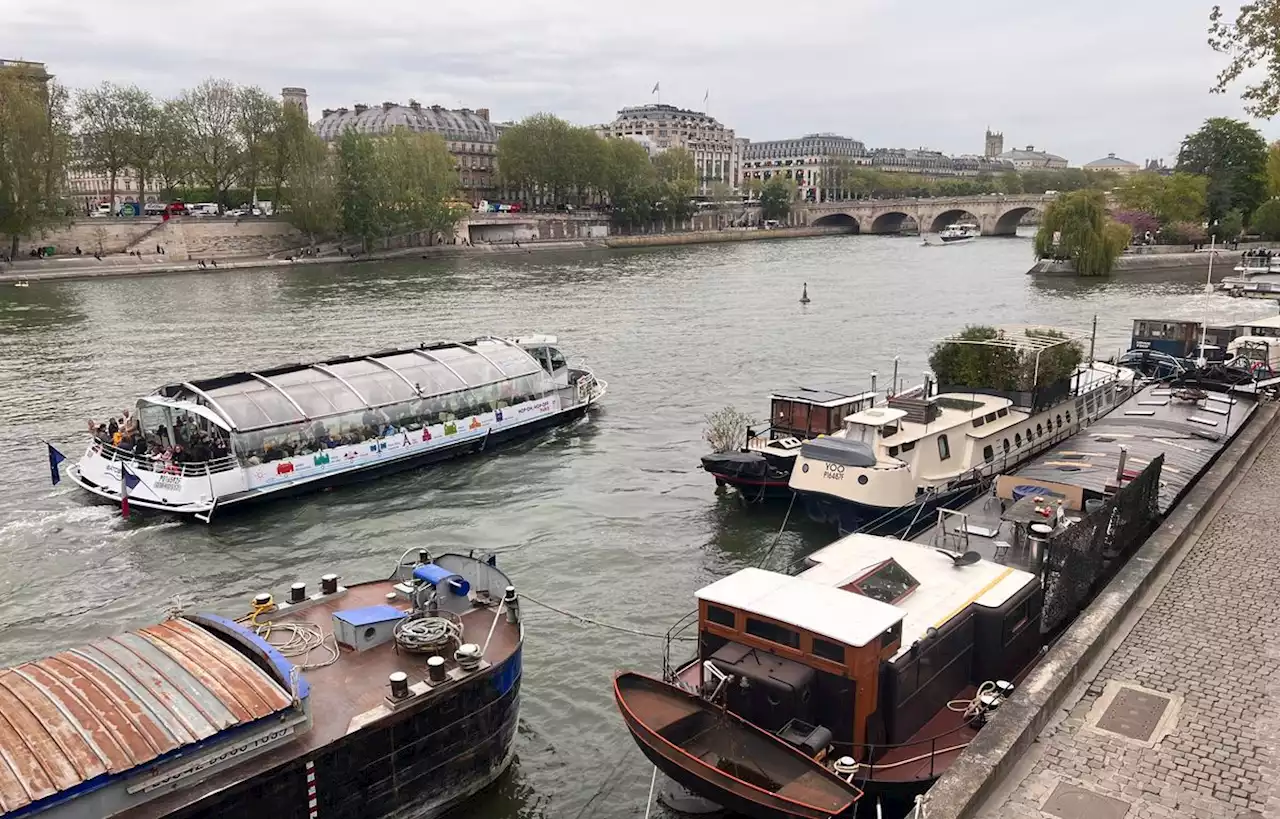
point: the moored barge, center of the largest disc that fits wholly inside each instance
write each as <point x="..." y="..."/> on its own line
<point x="395" y="698"/>
<point x="202" y="446"/>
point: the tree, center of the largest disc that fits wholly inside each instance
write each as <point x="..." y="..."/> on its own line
<point x="311" y="189"/>
<point x="210" y="116"/>
<point x="1266" y="220"/>
<point x="1273" y="169"/>
<point x="291" y="142"/>
<point x="34" y="149"/>
<point x="420" y="180"/>
<point x="1141" y="191"/>
<point x="675" y="165"/>
<point x="775" y="198"/>
<point x="1078" y="221"/>
<point x="677" y="184"/>
<point x="258" y="117"/>
<point x="143" y="133"/>
<point x="173" y="149"/>
<point x="1227" y="227"/>
<point x="1139" y="222"/>
<point x="545" y="156"/>
<point x="1233" y="156"/>
<point x="1183" y="198"/>
<point x="103" y="131"/>
<point x="1251" y="39"/>
<point x="361" y="188"/>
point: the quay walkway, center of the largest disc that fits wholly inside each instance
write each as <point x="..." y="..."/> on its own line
<point x="1179" y="714"/>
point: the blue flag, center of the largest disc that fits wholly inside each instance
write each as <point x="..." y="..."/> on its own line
<point x="55" y="458"/>
<point x="130" y="480"/>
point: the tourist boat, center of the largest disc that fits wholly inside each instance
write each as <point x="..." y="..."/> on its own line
<point x="959" y="232"/>
<point x="1257" y="262"/>
<point x="761" y="469"/>
<point x="391" y="698"/>
<point x="891" y="467"/>
<point x="255" y="435"/>
<point x="895" y="653"/>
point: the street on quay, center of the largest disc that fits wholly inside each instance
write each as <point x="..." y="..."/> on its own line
<point x="1182" y="719"/>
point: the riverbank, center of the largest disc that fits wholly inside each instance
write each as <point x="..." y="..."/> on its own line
<point x="1156" y="259"/>
<point x="87" y="267"/>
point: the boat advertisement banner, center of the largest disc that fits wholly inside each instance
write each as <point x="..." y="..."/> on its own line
<point x="403" y="444"/>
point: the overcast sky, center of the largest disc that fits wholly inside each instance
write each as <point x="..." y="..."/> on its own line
<point x="1081" y="78"/>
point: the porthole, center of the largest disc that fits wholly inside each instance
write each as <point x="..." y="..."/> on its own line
<point x="862" y="480"/>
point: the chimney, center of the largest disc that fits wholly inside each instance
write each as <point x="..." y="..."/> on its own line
<point x="415" y="105"/>
<point x="483" y="113"/>
<point x="361" y="108"/>
<point x="387" y="106"/>
<point x="328" y="112"/>
<point x="1031" y="148"/>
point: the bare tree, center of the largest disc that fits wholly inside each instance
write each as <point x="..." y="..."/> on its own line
<point x="142" y="125"/>
<point x="210" y="115"/>
<point x="102" y="132"/>
<point x="173" y="148"/>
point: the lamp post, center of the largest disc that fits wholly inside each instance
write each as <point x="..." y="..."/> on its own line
<point x="1203" y="359"/>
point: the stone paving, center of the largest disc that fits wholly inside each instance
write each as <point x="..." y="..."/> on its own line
<point x="1211" y="643"/>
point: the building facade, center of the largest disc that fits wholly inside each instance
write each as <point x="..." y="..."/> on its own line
<point x="935" y="163"/>
<point x="471" y="138"/>
<point x="714" y="149"/>
<point x="1029" y="159"/>
<point x="800" y="160"/>
<point x="1113" y="163"/>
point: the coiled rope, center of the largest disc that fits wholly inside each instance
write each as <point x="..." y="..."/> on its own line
<point x="593" y="622"/>
<point x="300" y="639"/>
<point x="428" y="633"/>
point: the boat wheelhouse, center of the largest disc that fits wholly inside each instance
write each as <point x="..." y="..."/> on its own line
<point x="893" y="466"/>
<point x="761" y="469"/>
<point x="392" y="698"/>
<point x="202" y="445"/>
<point x="862" y="655"/>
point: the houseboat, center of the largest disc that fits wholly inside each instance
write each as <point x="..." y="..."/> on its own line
<point x="960" y="232"/>
<point x="205" y="445"/>
<point x="761" y="469"/>
<point x="392" y="698"/>
<point x="882" y="659"/>
<point x="893" y="466"/>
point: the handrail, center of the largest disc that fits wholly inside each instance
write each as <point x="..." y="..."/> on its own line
<point x="152" y="464"/>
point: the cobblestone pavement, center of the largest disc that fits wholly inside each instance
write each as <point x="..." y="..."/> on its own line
<point x="1211" y="642"/>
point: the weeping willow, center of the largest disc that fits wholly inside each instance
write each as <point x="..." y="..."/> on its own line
<point x="1086" y="236"/>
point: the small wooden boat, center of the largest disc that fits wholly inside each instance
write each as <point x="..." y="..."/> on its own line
<point x="726" y="759"/>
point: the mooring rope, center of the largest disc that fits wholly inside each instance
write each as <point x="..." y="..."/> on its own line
<point x="593" y="622"/>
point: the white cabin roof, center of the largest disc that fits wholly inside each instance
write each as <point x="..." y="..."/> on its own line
<point x="945" y="589"/>
<point x="876" y="416"/>
<point x="817" y="607"/>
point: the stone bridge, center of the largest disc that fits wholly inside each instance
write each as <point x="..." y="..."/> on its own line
<point x="996" y="215"/>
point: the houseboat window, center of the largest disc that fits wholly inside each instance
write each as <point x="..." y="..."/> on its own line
<point x="1006" y="445"/>
<point x="891" y="635"/>
<point x="977" y="422"/>
<point x="988" y="453"/>
<point x="1017" y="440"/>
<point x="1039" y="430"/>
<point x="781" y="413"/>
<point x="893" y="452"/>
<point x="721" y="616"/>
<point x="887" y="583"/>
<point x="818" y="420"/>
<point x="1068" y="416"/>
<point x="944" y="448"/>
<point x="1003" y="412"/>
<point x="1016" y="620"/>
<point x="907" y="446"/>
<point x="828" y="650"/>
<point x="990" y="416"/>
<point x="1142" y="329"/>
<point x="557" y="359"/>
<point x="1059" y="421"/>
<point x="773" y="632"/>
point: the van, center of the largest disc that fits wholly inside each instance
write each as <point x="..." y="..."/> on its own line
<point x="203" y="209"/>
<point x="154" y="208"/>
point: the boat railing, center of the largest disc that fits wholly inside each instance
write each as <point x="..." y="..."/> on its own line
<point x="149" y="463"/>
<point x="937" y="745"/>
<point x="675" y="634"/>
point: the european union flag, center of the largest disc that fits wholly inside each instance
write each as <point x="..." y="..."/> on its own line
<point x="55" y="458"/>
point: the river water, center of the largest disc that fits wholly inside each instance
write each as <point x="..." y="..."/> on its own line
<point x="610" y="518"/>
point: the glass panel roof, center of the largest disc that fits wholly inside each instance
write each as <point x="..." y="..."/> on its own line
<point x="254" y="404"/>
<point x="430" y="376"/>
<point x="512" y="360"/>
<point x="470" y="365"/>
<point x="318" y="392"/>
<point x="382" y="387"/>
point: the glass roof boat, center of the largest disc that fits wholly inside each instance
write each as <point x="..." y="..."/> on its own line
<point x="204" y="445"/>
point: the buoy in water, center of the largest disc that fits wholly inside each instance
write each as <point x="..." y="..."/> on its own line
<point x="804" y="294"/>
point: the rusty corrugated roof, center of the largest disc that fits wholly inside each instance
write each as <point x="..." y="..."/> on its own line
<point x="111" y="706"/>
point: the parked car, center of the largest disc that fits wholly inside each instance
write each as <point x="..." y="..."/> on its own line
<point x="154" y="208"/>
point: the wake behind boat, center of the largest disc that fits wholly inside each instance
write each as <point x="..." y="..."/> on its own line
<point x="202" y="445"/>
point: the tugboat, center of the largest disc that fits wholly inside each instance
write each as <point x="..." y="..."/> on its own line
<point x="1003" y="396"/>
<point x="761" y="469"/>
<point x="204" y="445"/>
<point x="385" y="699"/>
<point x="960" y="232"/>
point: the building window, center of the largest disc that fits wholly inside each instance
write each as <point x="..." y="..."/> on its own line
<point x="828" y="650"/>
<point x="721" y="616"/>
<point x="773" y="632"/>
<point x="944" y="448"/>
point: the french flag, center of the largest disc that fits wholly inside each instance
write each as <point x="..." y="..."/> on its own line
<point x="128" y="481"/>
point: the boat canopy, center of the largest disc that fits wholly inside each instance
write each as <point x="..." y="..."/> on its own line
<point x="187" y="406"/>
<point x="296" y="393"/>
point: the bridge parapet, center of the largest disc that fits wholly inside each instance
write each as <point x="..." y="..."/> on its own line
<point x="997" y="215"/>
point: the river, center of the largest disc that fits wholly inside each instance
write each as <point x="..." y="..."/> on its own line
<point x="611" y="518"/>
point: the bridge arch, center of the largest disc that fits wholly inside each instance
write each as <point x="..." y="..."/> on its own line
<point x="891" y="221"/>
<point x="1007" y="222"/>
<point x="951" y="216"/>
<point x="843" y="220"/>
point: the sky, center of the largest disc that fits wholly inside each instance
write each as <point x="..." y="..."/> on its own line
<point x="1080" y="79"/>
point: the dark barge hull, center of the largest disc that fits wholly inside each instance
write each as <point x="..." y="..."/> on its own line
<point x="413" y="765"/>
<point x="471" y="446"/>
<point x="756" y="476"/>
